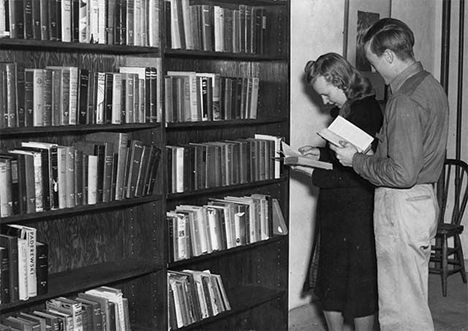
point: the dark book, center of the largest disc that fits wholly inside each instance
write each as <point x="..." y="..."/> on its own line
<point x="108" y="98"/>
<point x="83" y="97"/>
<point x="10" y="69"/>
<point x="44" y="19"/>
<point x="36" y="19"/>
<point x="130" y="22"/>
<point x="75" y="14"/>
<point x="104" y="308"/>
<point x="79" y="178"/>
<point x="111" y="22"/>
<point x="135" y="153"/>
<point x="4" y="275"/>
<point x="153" y="109"/>
<point x="28" y="19"/>
<point x="47" y="97"/>
<point x="59" y="19"/>
<point x="20" y="81"/>
<point x="123" y="22"/>
<point x="52" y="24"/>
<point x="56" y="97"/>
<point x="11" y="244"/>
<point x="16" y="18"/>
<point x="207" y="27"/>
<point x="42" y="265"/>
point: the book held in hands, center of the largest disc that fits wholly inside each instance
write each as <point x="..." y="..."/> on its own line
<point x="343" y="130"/>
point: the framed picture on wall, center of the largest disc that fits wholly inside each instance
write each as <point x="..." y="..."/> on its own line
<point x="360" y="15"/>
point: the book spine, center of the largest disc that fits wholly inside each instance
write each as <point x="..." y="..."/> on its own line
<point x="42" y="268"/>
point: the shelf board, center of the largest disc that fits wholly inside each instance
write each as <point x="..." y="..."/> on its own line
<point x="79" y="209"/>
<point x="241" y="299"/>
<point x="224" y="55"/>
<point x="81" y="279"/>
<point x="217" y="254"/>
<point x="224" y="123"/>
<point x="221" y="189"/>
<point x="47" y="45"/>
<point x="67" y="129"/>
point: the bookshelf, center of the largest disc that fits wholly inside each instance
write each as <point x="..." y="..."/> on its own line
<point x="124" y="243"/>
<point x="255" y="275"/>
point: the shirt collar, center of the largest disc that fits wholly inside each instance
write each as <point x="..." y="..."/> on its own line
<point x="396" y="83"/>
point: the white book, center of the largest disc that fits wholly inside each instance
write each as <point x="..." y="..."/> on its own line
<point x="102" y="33"/>
<point x="92" y="179"/>
<point x="101" y="90"/>
<point x="343" y="130"/>
<point x="66" y="14"/>
<point x="116" y="99"/>
<point x="153" y="16"/>
<point x="62" y="175"/>
<point x="30" y="235"/>
<point x="228" y="220"/>
<point x="93" y="19"/>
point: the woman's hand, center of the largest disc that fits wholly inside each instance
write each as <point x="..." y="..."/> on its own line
<point x="310" y="151"/>
<point x="303" y="170"/>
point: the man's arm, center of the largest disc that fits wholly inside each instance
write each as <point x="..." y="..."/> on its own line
<point x="404" y="148"/>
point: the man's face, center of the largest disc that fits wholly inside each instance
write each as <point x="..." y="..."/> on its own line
<point x="381" y="64"/>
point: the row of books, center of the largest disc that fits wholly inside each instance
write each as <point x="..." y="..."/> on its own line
<point x="196" y="166"/>
<point x="100" y="309"/>
<point x="194" y="295"/>
<point x="107" y="166"/>
<point x="68" y="95"/>
<point x="192" y="96"/>
<point x="111" y="22"/>
<point x="218" y="225"/>
<point x="24" y="264"/>
<point x="235" y="28"/>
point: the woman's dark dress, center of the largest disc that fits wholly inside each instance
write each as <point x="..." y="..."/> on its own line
<point x="347" y="270"/>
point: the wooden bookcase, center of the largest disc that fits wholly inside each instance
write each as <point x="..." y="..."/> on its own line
<point x="124" y="243"/>
<point x="255" y="275"/>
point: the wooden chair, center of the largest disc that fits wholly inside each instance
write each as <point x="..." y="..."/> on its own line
<point x="447" y="255"/>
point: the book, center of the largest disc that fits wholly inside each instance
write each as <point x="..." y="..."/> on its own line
<point x="292" y="157"/>
<point x="343" y="130"/>
<point x="4" y="275"/>
<point x="67" y="306"/>
<point x="11" y="244"/>
<point x="42" y="266"/>
<point x="29" y="234"/>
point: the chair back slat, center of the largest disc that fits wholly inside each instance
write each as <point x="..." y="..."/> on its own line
<point x="455" y="191"/>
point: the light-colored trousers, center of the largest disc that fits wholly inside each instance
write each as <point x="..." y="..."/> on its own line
<point x="405" y="221"/>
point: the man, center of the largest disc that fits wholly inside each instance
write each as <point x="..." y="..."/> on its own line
<point x="407" y="163"/>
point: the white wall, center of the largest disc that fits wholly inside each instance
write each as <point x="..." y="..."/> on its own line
<point x="316" y="28"/>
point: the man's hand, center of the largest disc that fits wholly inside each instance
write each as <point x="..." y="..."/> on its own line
<point x="344" y="153"/>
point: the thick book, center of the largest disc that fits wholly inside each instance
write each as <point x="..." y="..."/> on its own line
<point x="292" y="157"/>
<point x="343" y="130"/>
<point x="11" y="244"/>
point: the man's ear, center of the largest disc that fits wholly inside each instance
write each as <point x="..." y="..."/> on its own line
<point x="389" y="55"/>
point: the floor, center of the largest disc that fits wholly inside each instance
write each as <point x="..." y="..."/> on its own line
<point x="450" y="313"/>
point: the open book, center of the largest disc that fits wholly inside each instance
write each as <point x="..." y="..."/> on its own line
<point x="292" y="157"/>
<point x="343" y="130"/>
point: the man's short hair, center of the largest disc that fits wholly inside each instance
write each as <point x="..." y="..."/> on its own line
<point x="392" y="34"/>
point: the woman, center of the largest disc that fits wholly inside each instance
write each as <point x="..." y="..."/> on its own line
<point x="346" y="281"/>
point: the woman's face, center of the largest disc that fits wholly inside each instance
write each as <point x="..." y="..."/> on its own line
<point x="330" y="94"/>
